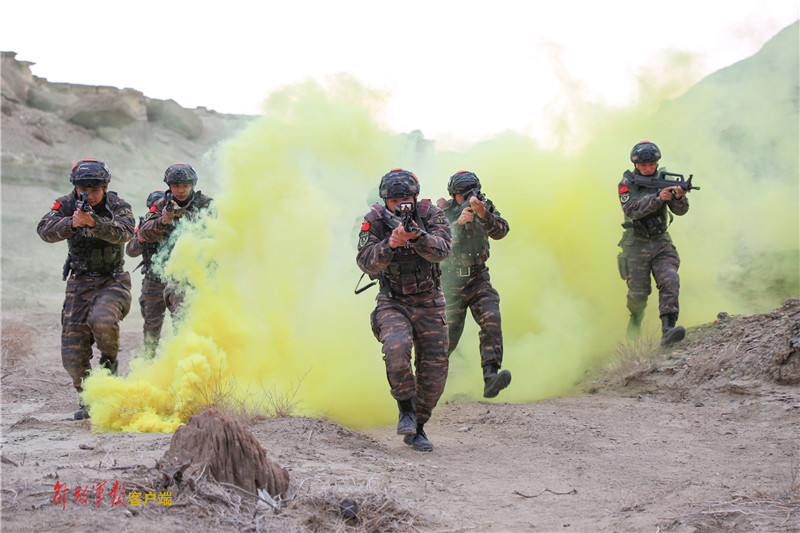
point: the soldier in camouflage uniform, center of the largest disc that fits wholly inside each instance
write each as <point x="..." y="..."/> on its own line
<point x="410" y="310"/>
<point x="466" y="277"/>
<point x="151" y="301"/>
<point x="96" y="223"/>
<point x="182" y="200"/>
<point x="646" y="245"/>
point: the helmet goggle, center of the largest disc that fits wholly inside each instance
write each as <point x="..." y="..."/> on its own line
<point x="180" y="173"/>
<point x="645" y="152"/>
<point x="399" y="183"/>
<point x="90" y="174"/>
<point x="463" y="181"/>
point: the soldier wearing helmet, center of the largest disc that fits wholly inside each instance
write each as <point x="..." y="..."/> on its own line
<point x="151" y="300"/>
<point x="410" y="309"/>
<point x="180" y="202"/>
<point x="647" y="247"/>
<point x="96" y="223"/>
<point x="474" y="220"/>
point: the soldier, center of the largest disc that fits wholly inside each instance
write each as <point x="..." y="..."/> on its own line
<point x="466" y="277"/>
<point x="646" y="245"/>
<point x="151" y="301"/>
<point x="181" y="200"/>
<point x="96" y="224"/>
<point x="410" y="308"/>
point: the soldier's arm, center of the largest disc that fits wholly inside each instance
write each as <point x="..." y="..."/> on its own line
<point x="375" y="254"/>
<point x="152" y="230"/>
<point x="119" y="229"/>
<point x="435" y="244"/>
<point x="636" y="209"/>
<point x="679" y="206"/>
<point x="134" y="248"/>
<point x="495" y="225"/>
<point x="56" y="225"/>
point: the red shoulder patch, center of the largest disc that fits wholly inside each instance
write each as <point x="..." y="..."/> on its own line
<point x="365" y="226"/>
<point x="56" y="205"/>
<point x="136" y="230"/>
<point x="623" y="189"/>
<point x="153" y="209"/>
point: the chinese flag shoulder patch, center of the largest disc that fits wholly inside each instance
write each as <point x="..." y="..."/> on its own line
<point x="56" y="206"/>
<point x="623" y="189"/>
<point x="365" y="226"/>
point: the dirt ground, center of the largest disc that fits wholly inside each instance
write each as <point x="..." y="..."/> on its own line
<point x="705" y="437"/>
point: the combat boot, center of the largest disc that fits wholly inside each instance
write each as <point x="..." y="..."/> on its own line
<point x="670" y="333"/>
<point x="81" y="414"/>
<point x="107" y="362"/>
<point x="635" y="325"/>
<point x="494" y="382"/>
<point x="419" y="441"/>
<point x="407" y="424"/>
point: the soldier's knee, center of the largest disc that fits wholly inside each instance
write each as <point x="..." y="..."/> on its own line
<point x="637" y="301"/>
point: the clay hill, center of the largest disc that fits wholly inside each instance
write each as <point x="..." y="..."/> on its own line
<point x="701" y="437"/>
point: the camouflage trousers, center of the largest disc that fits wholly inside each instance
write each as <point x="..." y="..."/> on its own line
<point x="93" y="308"/>
<point x="153" y="306"/>
<point x="659" y="257"/>
<point x="399" y="327"/>
<point x="476" y="294"/>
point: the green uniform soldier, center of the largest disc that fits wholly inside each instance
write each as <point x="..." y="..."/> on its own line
<point x="96" y="223"/>
<point x="404" y="254"/>
<point x="181" y="201"/>
<point x="474" y="219"/>
<point x="151" y="301"/>
<point x="647" y="247"/>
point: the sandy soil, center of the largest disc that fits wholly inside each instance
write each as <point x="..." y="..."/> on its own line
<point x="706" y="438"/>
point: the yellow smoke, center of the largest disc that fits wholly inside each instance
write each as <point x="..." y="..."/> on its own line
<point x="273" y="269"/>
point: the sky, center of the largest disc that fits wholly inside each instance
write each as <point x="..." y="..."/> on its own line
<point x="463" y="71"/>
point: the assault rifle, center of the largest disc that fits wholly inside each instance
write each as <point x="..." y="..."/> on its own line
<point x="663" y="183"/>
<point x="403" y="215"/>
<point x="178" y="211"/>
<point x="83" y="203"/>
<point x="465" y="204"/>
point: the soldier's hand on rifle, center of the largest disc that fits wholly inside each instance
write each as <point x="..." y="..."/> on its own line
<point x="478" y="207"/>
<point x="671" y="193"/>
<point x="167" y="217"/>
<point x="466" y="216"/>
<point x="82" y="218"/>
<point x="400" y="236"/>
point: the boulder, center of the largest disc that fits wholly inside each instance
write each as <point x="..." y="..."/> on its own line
<point x="99" y="110"/>
<point x="174" y="117"/>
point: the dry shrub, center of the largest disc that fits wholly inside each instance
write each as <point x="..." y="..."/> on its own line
<point x="246" y="405"/>
<point x="17" y="342"/>
<point x="378" y="510"/>
<point x="634" y="356"/>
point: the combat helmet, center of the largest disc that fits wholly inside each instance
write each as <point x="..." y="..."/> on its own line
<point x="153" y="197"/>
<point x="645" y="152"/>
<point x="463" y="181"/>
<point x="90" y="174"/>
<point x="180" y="173"/>
<point x="398" y="183"/>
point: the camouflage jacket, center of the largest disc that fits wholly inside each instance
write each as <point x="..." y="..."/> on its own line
<point x="645" y="213"/>
<point x="471" y="241"/>
<point x="409" y="270"/>
<point x="152" y="230"/>
<point x="90" y="247"/>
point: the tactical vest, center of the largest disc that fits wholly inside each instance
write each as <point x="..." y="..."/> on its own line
<point x="470" y="245"/>
<point x="408" y="273"/>
<point x="653" y="224"/>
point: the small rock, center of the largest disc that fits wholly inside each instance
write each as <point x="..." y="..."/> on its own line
<point x="85" y="447"/>
<point x="348" y="508"/>
<point x="464" y="429"/>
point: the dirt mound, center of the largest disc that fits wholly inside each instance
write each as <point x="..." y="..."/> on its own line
<point x="735" y="354"/>
<point x="222" y="447"/>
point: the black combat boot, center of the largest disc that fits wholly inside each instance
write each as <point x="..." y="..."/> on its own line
<point x="494" y="382"/>
<point x="81" y="414"/>
<point x="635" y="325"/>
<point x="419" y="441"/>
<point x="407" y="424"/>
<point x="670" y="333"/>
<point x="106" y="362"/>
